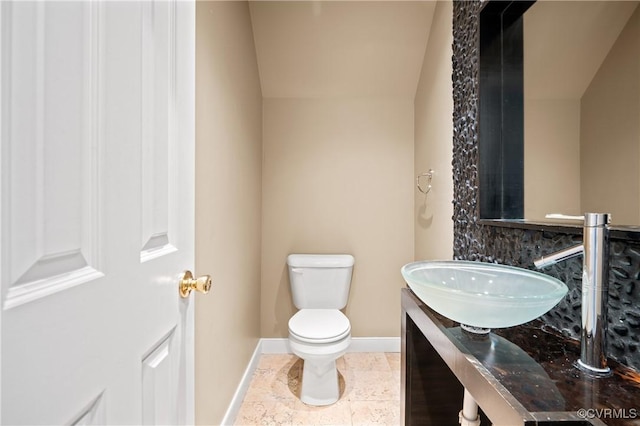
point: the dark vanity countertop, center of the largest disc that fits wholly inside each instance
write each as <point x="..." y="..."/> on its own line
<point x="566" y="388"/>
<point x="618" y="232"/>
<point x="535" y="365"/>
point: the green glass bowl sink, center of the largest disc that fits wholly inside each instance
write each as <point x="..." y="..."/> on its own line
<point x="483" y="295"/>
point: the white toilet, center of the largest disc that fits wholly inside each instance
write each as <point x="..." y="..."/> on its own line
<point x="319" y="333"/>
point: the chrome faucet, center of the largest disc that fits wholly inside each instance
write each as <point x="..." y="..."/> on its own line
<point x="595" y="287"/>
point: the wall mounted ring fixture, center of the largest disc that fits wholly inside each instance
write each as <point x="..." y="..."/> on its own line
<point x="429" y="176"/>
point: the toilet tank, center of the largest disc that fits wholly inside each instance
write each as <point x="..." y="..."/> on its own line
<point x="320" y="281"/>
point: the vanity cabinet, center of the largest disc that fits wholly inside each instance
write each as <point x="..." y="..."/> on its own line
<point x="522" y="375"/>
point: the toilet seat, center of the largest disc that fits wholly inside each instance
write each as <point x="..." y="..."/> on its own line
<point x="319" y="326"/>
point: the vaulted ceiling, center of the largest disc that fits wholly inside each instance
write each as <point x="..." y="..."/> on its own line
<point x="565" y="42"/>
<point x="321" y="49"/>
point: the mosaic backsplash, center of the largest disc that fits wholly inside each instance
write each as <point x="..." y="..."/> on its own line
<point x="518" y="247"/>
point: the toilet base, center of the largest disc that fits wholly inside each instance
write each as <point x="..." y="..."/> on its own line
<point x="319" y="373"/>
<point x="319" y="383"/>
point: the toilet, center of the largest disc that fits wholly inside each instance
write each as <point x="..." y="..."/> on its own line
<point x="319" y="333"/>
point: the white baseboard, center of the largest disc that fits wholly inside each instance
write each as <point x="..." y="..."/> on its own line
<point x="374" y="344"/>
<point x="281" y="346"/>
<point x="234" y="406"/>
<point x="275" y="346"/>
<point x="358" y="344"/>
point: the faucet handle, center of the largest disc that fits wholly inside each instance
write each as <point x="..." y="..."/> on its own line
<point x="563" y="216"/>
<point x="589" y="219"/>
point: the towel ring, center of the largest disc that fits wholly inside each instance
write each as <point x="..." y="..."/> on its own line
<point x="429" y="176"/>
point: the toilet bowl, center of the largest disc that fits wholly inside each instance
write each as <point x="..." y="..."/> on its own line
<point x="319" y="337"/>
<point x="319" y="332"/>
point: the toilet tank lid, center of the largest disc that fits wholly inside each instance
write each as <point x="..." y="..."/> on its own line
<point x="320" y="260"/>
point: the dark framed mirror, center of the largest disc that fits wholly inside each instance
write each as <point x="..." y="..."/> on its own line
<point x="501" y="125"/>
<point x="559" y="118"/>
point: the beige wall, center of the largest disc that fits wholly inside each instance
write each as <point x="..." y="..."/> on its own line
<point x="338" y="178"/>
<point x="552" y="157"/>
<point x="228" y="202"/>
<point x="434" y="141"/>
<point x="611" y="131"/>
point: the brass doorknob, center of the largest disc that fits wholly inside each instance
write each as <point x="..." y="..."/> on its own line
<point x="188" y="283"/>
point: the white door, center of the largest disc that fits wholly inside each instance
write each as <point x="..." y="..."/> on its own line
<point x="96" y="216"/>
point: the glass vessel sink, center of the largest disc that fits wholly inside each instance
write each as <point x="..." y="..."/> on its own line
<point x="483" y="295"/>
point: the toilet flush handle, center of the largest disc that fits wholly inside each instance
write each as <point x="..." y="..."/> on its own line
<point x="296" y="270"/>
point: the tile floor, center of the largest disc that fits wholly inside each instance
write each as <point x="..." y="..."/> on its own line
<point x="369" y="392"/>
